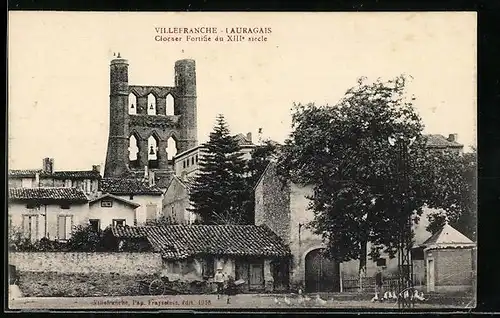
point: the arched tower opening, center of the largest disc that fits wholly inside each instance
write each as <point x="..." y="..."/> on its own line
<point x="171" y="148"/>
<point x="169" y="109"/>
<point x="134" y="151"/>
<point x="132" y="104"/>
<point x="151" y="104"/>
<point x="153" y="155"/>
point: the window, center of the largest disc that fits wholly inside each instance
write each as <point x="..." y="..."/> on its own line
<point x="172" y="213"/>
<point x="184" y="164"/>
<point x="187" y="162"/>
<point x="95" y="225"/>
<point x="381" y="262"/>
<point x="150" y="212"/>
<point x="208" y="266"/>
<point x="131" y="197"/>
<point x="33" y="206"/>
<point x="64" y="226"/>
<point x="196" y="158"/>
<point x="65" y="206"/>
<point x="118" y="222"/>
<point x="68" y="183"/>
<point x="192" y="160"/>
<point x="30" y="226"/>
<point x="106" y="203"/>
<point x="169" y="105"/>
<point x="26" y="183"/>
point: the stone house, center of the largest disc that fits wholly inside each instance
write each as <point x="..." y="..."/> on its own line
<point x="86" y="180"/>
<point x="50" y="212"/>
<point x="194" y="252"/>
<point x="110" y="210"/>
<point x="284" y="209"/>
<point x="186" y="163"/>
<point x="176" y="199"/>
<point x="54" y="212"/>
<point x="450" y="261"/>
<point x="138" y="191"/>
<point x="438" y="142"/>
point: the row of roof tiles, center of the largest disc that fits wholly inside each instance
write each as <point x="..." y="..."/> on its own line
<point x="182" y="241"/>
<point x="115" y="186"/>
<point x="48" y="193"/>
<point x="31" y="173"/>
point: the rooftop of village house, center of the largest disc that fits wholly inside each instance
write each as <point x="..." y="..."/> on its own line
<point x="440" y="141"/>
<point x="182" y="241"/>
<point x="110" y="196"/>
<point x="47" y="194"/>
<point x="128" y="186"/>
<point x="447" y="237"/>
<point x="47" y="171"/>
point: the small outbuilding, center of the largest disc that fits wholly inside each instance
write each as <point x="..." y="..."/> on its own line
<point x="450" y="259"/>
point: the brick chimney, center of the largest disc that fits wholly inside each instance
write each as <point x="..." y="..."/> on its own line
<point x="452" y="137"/>
<point x="96" y="168"/>
<point x="37" y="180"/>
<point x="249" y="136"/>
<point x="48" y="165"/>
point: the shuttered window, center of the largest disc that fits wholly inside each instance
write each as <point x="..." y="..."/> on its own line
<point x="64" y="226"/>
<point x="30" y="227"/>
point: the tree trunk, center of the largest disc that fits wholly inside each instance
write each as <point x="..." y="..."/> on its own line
<point x="362" y="263"/>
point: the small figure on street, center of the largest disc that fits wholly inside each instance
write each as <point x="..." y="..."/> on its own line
<point x="379" y="284"/>
<point x="230" y="287"/>
<point x="219" y="279"/>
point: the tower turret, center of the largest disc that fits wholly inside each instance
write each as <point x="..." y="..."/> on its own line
<point x="185" y="103"/>
<point x="118" y="142"/>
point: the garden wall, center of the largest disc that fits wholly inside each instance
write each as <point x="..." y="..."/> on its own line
<point x="78" y="262"/>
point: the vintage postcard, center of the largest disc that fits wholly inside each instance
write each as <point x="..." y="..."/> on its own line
<point x="212" y="161"/>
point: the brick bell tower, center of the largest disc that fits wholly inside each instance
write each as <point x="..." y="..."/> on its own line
<point x="142" y="112"/>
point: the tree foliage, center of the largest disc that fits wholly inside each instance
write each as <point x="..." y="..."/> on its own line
<point x="455" y="193"/>
<point x="220" y="192"/>
<point x="362" y="188"/>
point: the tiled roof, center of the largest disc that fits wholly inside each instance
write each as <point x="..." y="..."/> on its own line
<point x="89" y="174"/>
<point x="27" y="173"/>
<point x="132" y="186"/>
<point x="110" y="196"/>
<point x="181" y="241"/>
<point x="242" y="140"/>
<point x="30" y="173"/>
<point x="440" y="141"/>
<point x="447" y="237"/>
<point x="49" y="194"/>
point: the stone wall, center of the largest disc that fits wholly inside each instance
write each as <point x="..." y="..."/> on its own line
<point x="272" y="204"/>
<point x="121" y="263"/>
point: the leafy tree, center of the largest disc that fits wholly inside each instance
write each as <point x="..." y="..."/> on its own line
<point x="456" y="193"/>
<point x="220" y="193"/>
<point x="360" y="193"/>
<point x="85" y="239"/>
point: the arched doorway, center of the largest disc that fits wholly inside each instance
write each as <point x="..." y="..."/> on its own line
<point x="322" y="273"/>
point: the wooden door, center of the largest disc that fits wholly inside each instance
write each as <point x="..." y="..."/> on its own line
<point x="322" y="274"/>
<point x="256" y="276"/>
<point x="430" y="275"/>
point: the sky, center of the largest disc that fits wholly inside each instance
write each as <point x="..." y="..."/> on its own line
<point x="58" y="62"/>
